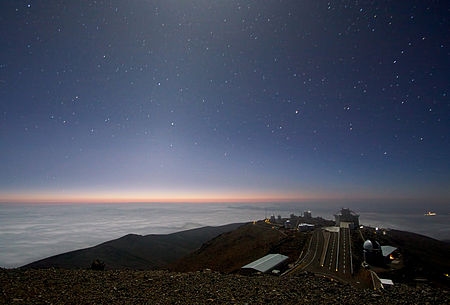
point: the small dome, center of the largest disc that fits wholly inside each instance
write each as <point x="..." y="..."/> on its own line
<point x="371" y="245"/>
<point x="368" y="245"/>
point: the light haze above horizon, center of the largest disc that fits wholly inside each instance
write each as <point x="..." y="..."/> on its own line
<point x="240" y="101"/>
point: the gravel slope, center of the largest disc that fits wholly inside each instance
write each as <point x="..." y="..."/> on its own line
<point x="58" y="286"/>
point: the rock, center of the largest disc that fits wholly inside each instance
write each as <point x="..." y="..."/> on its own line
<point x="98" y="265"/>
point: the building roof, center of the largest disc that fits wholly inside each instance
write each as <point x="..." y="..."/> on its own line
<point x="386" y="282"/>
<point x="305" y="225"/>
<point x="387" y="250"/>
<point x="267" y="262"/>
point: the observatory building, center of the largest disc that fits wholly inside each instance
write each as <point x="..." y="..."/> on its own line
<point x="375" y="254"/>
<point x="347" y="218"/>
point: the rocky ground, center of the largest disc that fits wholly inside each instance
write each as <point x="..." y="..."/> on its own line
<point x="57" y="286"/>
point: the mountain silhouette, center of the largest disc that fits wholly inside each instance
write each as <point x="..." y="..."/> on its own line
<point x="134" y="251"/>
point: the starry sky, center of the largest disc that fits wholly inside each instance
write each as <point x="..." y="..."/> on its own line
<point x="145" y="100"/>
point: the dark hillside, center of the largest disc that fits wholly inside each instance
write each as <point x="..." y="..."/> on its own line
<point x="136" y="251"/>
<point x="230" y="251"/>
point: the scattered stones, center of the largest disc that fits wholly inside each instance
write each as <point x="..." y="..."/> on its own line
<point x="59" y="286"/>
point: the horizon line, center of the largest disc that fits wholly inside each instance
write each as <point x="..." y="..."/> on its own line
<point x="115" y="198"/>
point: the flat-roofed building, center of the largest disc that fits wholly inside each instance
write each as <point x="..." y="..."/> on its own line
<point x="386" y="283"/>
<point x="304" y="227"/>
<point x="267" y="263"/>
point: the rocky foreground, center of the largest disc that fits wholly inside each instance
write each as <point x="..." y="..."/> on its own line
<point x="57" y="286"/>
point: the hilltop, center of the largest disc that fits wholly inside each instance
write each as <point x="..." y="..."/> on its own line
<point x="228" y="252"/>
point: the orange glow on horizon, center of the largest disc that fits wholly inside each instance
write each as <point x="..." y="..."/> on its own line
<point x="157" y="197"/>
<point x="180" y="196"/>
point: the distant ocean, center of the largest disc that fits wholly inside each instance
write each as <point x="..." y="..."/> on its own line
<point x="30" y="232"/>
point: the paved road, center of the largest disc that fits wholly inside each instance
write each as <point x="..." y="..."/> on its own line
<point x="329" y="253"/>
<point x="345" y="265"/>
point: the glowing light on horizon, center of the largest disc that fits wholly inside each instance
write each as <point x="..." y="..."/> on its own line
<point x="155" y="196"/>
<point x="181" y="196"/>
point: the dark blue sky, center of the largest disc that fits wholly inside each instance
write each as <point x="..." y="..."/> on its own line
<point x="224" y="99"/>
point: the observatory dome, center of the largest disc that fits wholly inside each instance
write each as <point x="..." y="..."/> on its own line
<point x="371" y="245"/>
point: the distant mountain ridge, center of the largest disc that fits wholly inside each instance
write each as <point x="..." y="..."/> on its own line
<point x="134" y="251"/>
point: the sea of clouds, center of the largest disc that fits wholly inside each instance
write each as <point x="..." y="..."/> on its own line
<point x="34" y="231"/>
